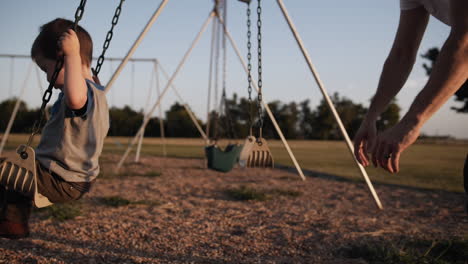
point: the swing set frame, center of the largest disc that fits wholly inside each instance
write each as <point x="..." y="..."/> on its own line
<point x="214" y="15"/>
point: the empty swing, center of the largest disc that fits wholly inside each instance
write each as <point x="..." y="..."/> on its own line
<point x="256" y="152"/>
<point x="218" y="159"/>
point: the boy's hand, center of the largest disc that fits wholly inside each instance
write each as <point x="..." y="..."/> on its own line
<point x="68" y="44"/>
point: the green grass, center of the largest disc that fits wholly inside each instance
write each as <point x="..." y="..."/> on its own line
<point x="117" y="201"/>
<point x="409" y="251"/>
<point x="61" y="212"/>
<point x="428" y="165"/>
<point x="245" y="193"/>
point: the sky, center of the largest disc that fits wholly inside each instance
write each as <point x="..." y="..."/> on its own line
<point x="348" y="42"/>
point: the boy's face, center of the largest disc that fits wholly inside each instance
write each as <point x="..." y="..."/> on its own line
<point x="48" y="66"/>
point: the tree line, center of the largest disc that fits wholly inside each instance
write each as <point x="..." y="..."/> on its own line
<point x="297" y="120"/>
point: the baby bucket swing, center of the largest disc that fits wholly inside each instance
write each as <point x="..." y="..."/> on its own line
<point x="217" y="158"/>
<point x="18" y="172"/>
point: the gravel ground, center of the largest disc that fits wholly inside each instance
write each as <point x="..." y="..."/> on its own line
<point x="185" y="216"/>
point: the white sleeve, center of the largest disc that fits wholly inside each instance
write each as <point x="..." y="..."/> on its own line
<point x="409" y="4"/>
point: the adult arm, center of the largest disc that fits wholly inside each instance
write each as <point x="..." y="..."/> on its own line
<point x="395" y="72"/>
<point x="448" y="74"/>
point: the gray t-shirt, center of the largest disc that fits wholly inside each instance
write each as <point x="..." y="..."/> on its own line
<point x="70" y="145"/>
<point x="440" y="9"/>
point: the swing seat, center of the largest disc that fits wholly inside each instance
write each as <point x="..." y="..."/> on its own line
<point x="18" y="173"/>
<point x="260" y="155"/>
<point x="249" y="143"/>
<point x="220" y="160"/>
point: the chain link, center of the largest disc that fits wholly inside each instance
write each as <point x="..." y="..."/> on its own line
<point x="109" y="36"/>
<point x="249" y="66"/>
<point x="79" y="14"/>
<point x="48" y="93"/>
<point x="259" y="53"/>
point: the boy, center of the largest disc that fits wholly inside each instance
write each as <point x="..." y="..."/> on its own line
<point x="72" y="139"/>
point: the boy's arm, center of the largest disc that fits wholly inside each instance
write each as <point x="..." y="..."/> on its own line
<point x="74" y="88"/>
<point x="396" y="70"/>
<point x="448" y="74"/>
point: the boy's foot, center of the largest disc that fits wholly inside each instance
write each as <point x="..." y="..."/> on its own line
<point x="13" y="230"/>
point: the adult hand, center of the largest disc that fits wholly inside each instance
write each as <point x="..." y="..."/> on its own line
<point x="364" y="141"/>
<point x="391" y="143"/>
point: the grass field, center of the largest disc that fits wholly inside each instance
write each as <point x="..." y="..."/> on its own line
<point x="424" y="165"/>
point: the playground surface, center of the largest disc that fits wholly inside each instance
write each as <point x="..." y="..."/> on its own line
<point x="173" y="210"/>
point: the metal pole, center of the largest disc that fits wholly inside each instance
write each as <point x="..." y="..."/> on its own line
<point x="136" y="44"/>
<point x="12" y="74"/>
<point x="328" y="100"/>
<point x="210" y="79"/>
<point x="169" y="83"/>
<point x="186" y="106"/>
<point x="148" y="98"/>
<point x="161" y="119"/>
<point x="265" y="104"/>
<point x="15" y="110"/>
<point x="140" y="141"/>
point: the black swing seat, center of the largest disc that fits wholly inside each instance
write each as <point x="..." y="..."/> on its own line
<point x="18" y="173"/>
<point x="222" y="160"/>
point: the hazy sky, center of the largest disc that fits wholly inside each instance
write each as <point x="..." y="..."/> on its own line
<point x="347" y="40"/>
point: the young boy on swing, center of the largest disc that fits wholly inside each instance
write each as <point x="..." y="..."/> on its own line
<point x="72" y="139"/>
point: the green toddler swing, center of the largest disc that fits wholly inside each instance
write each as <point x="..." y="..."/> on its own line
<point x="222" y="160"/>
<point x="217" y="158"/>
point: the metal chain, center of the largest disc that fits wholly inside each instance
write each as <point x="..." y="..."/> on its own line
<point x="109" y="36"/>
<point x="48" y="93"/>
<point x="259" y="51"/>
<point x="227" y="113"/>
<point x="249" y="67"/>
<point x="79" y="14"/>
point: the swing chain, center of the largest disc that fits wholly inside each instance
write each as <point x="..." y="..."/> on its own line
<point x="109" y="36"/>
<point x="48" y="93"/>
<point x="249" y="66"/>
<point x="79" y="14"/>
<point x="260" y="83"/>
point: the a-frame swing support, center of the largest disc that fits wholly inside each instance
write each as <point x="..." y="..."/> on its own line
<point x="349" y="144"/>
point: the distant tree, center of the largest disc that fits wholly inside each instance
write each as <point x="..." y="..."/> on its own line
<point x="24" y="118"/>
<point x="178" y="122"/>
<point x="124" y="121"/>
<point x="390" y="116"/>
<point x="324" y="125"/>
<point x="306" y="118"/>
<point x="461" y="95"/>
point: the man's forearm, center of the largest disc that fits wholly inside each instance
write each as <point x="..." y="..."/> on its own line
<point x="394" y="75"/>
<point x="448" y="74"/>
